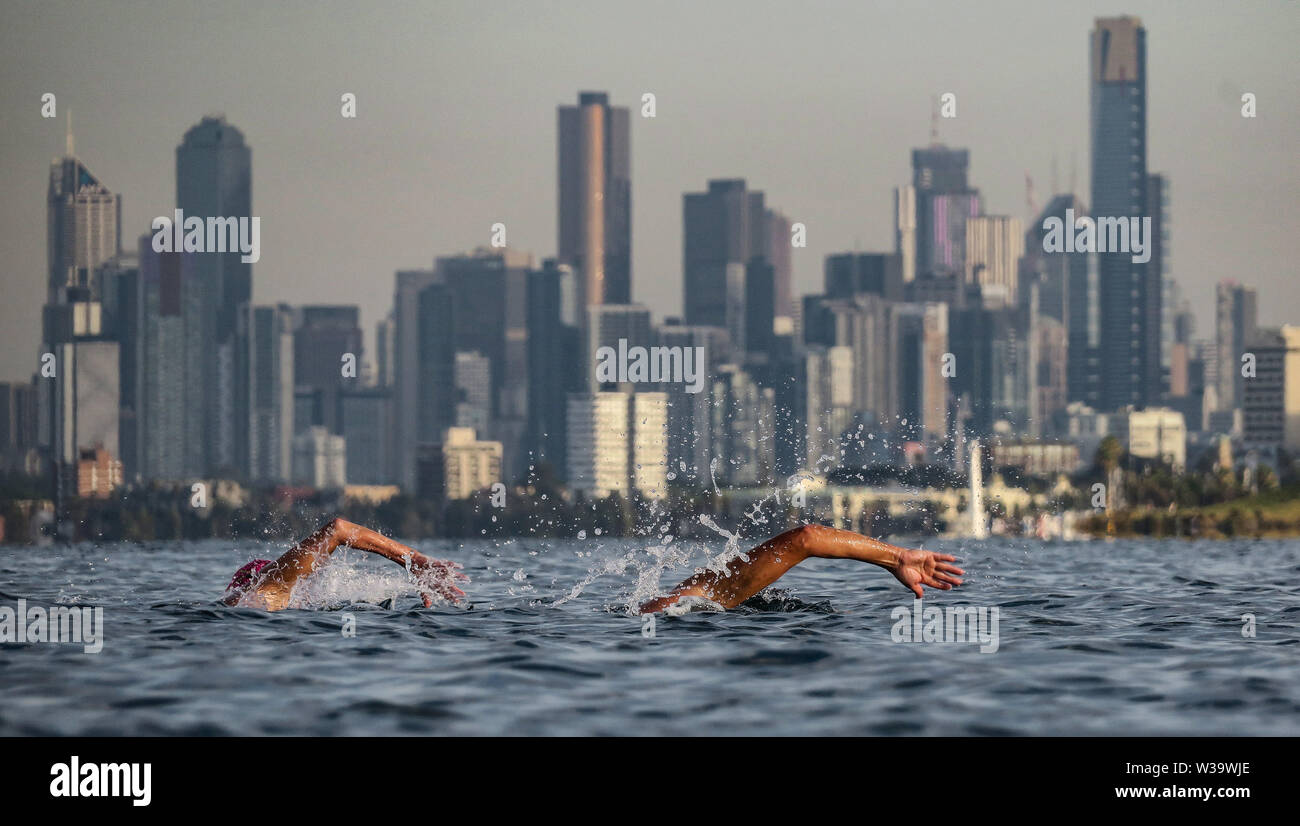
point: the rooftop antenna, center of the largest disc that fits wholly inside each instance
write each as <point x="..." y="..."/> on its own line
<point x="70" y="144"/>
<point x="934" y="120"/>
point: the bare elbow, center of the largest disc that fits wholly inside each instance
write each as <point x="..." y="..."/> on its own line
<point x="804" y="536"/>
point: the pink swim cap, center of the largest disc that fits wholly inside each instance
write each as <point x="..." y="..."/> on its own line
<point x="246" y="575"/>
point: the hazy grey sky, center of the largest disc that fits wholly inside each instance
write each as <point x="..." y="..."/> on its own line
<point x="817" y="104"/>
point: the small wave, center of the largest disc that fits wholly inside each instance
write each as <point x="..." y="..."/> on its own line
<point x="692" y="604"/>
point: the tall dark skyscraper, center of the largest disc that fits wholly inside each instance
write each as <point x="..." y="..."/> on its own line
<point x="1157" y="319"/>
<point x="727" y="242"/>
<point x="595" y="198"/>
<point x="214" y="179"/>
<point x="944" y="200"/>
<point x="214" y="168"/>
<point x="1128" y="292"/>
<point x="408" y="370"/>
<point x="553" y="338"/>
<point x="435" y="364"/>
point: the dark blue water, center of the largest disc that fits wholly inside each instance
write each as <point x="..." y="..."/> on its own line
<point x="1130" y="637"/>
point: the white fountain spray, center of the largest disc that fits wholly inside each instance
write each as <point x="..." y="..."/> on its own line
<point x="978" y="523"/>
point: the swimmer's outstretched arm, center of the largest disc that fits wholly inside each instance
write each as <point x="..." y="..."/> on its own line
<point x="276" y="583"/>
<point x="779" y="554"/>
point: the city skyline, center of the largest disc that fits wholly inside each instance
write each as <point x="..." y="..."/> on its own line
<point x="1224" y="214"/>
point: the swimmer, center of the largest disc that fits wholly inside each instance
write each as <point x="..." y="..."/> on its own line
<point x="268" y="585"/>
<point x="763" y="565"/>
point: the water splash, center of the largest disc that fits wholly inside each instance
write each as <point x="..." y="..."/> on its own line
<point x="345" y="580"/>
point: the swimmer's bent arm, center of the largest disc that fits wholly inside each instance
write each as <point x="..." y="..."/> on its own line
<point x="766" y="563"/>
<point x="278" y="579"/>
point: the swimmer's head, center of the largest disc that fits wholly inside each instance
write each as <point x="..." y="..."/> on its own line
<point x="246" y="576"/>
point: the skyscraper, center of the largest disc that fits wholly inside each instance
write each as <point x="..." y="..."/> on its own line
<point x="435" y="359"/>
<point x="405" y="427"/>
<point x="1161" y="289"/>
<point x="488" y="290"/>
<point x="595" y="198"/>
<point x="918" y="341"/>
<point x="83" y="223"/>
<point x="553" y="338"/>
<point x="618" y="443"/>
<point x="79" y="403"/>
<point x="214" y="168"/>
<point x="1129" y="292"/>
<point x="269" y="364"/>
<point x="727" y="243"/>
<point x="169" y="426"/>
<point x="1066" y="293"/>
<point x="944" y="202"/>
<point x="781" y="257"/>
<point x="1235" y="323"/>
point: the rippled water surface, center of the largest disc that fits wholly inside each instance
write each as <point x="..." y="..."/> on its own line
<point x="1129" y="637"/>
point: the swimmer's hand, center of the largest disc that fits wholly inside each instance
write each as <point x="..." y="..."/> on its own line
<point x="436" y="578"/>
<point x="917" y="568"/>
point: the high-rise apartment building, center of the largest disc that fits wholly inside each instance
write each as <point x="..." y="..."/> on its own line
<point x="618" y="444"/>
<point x="595" y="198"/>
<point x="994" y="246"/>
<point x="1128" y="291"/>
<point x="268" y="363"/>
<point x="458" y="465"/>
<point x="214" y="168"/>
<point x="83" y="225"/>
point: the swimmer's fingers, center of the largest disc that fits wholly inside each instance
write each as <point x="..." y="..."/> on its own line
<point x="936" y="584"/>
<point x="452" y="570"/>
<point x="945" y="568"/>
<point x="437" y="578"/>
